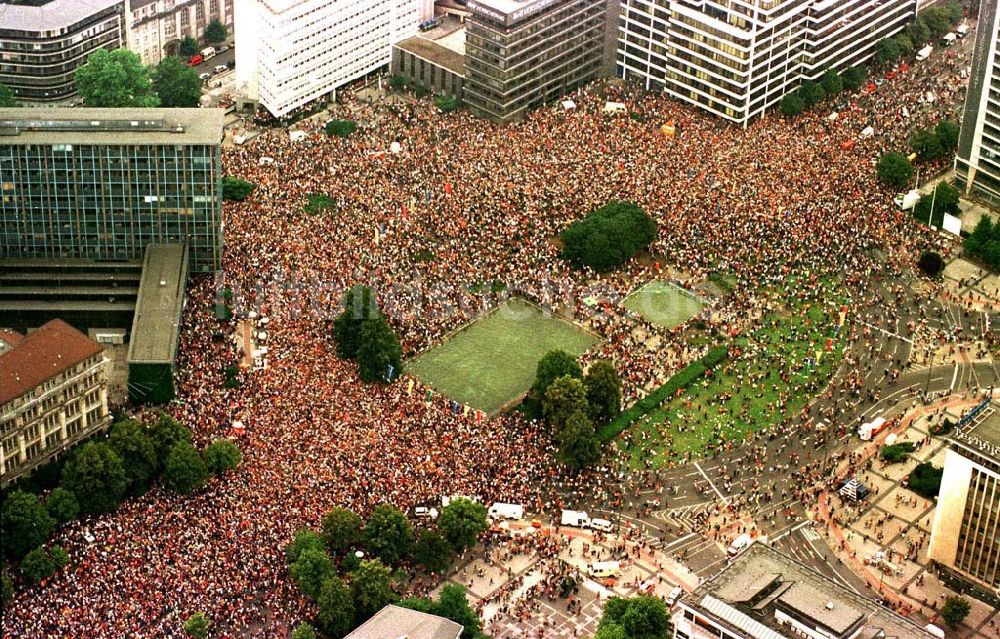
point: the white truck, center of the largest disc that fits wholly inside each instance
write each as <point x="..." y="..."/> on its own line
<point x="576" y="518"/>
<point x="601" y="524"/>
<point x="869" y="430"/>
<point x="925" y="53"/>
<point x="506" y="511"/>
<point x="906" y="201"/>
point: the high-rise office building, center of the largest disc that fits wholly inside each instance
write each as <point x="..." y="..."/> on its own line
<point x="101" y="184"/>
<point x="520" y="54"/>
<point x="292" y="52"/>
<point x="965" y="536"/>
<point x="737" y="59"/>
<point x="156" y="27"/>
<point x="42" y="43"/>
<point x="977" y="163"/>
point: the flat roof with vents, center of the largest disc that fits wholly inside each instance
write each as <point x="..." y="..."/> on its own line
<point x="26" y="125"/>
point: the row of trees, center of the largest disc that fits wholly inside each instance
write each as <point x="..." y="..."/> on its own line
<point x="119" y="79"/>
<point x="896" y="170"/>
<point x="97" y="476"/>
<point x="364" y="334"/>
<point x="831" y="83"/>
<point x="984" y="242"/>
<point x="329" y="567"/>
<point x="608" y="237"/>
<point x="930" y="26"/>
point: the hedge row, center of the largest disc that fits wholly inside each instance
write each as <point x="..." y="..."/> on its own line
<point x="682" y="379"/>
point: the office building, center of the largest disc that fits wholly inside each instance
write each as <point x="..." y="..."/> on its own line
<point x="965" y="536"/>
<point x="292" y="52"/>
<point x="42" y="44"/>
<point x="977" y="163"/>
<point x="53" y="393"/>
<point x="394" y="621"/>
<point x="765" y="594"/>
<point x="156" y="27"/>
<point x="101" y="184"/>
<point x="737" y="59"/>
<point x="520" y="54"/>
<point x="434" y="59"/>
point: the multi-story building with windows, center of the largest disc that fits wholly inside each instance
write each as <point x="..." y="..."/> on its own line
<point x="737" y="58"/>
<point x="977" y="163"/>
<point x="104" y="183"/>
<point x="156" y="27"/>
<point x="965" y="536"/>
<point x="53" y="393"/>
<point x="292" y="52"/>
<point x="42" y="44"/>
<point x="520" y="54"/>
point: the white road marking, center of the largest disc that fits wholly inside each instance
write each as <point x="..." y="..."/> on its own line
<point x="721" y="496"/>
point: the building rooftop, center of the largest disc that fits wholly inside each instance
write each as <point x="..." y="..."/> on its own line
<point x="394" y="622"/>
<point x="156" y="325"/>
<point x="750" y="593"/>
<point x="509" y="11"/>
<point x="51" y="16"/>
<point x="52" y="349"/>
<point x="983" y="435"/>
<point x="435" y="52"/>
<point x="109" y="126"/>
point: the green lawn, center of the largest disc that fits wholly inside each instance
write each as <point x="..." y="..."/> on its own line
<point x="492" y="361"/>
<point x="663" y="304"/>
<point x="748" y="393"/>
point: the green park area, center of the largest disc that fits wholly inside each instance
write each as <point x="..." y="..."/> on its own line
<point x="774" y="369"/>
<point x="493" y="360"/>
<point x="663" y="304"/>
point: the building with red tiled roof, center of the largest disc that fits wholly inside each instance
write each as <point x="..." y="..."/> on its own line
<point x="53" y="393"/>
<point x="9" y="338"/>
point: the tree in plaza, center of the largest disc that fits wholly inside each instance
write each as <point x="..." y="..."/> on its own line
<point x="197" y="625"/>
<point x="579" y="446"/>
<point x="341" y="128"/>
<point x="371" y="589"/>
<point x="953" y="10"/>
<point x="336" y="608"/>
<point x="432" y="551"/>
<point x="222" y="455"/>
<point x="185" y="470"/>
<point x="610" y="631"/>
<point x="642" y="617"/>
<point x="831" y="82"/>
<point x="388" y="534"/>
<point x="904" y="43"/>
<point x="955" y="610"/>
<point x="24" y="524"/>
<point x="177" y="84"/>
<point x="984" y="242"/>
<point x="6" y="589"/>
<point x="855" y="77"/>
<point x="304" y="539"/>
<point x="931" y="263"/>
<point x="553" y="365"/>
<point x="378" y="350"/>
<point x="447" y="103"/>
<point x="341" y="529"/>
<point x="60" y="558"/>
<point x="947" y="134"/>
<point x="454" y="605"/>
<point x="937" y="20"/>
<point x="215" y="32"/>
<point x="359" y="306"/>
<point x="918" y="32"/>
<point x="96" y="476"/>
<point x="811" y="93"/>
<point x="303" y="631"/>
<point x="6" y="96"/>
<point x="310" y="570"/>
<point x="792" y="104"/>
<point x="887" y="52"/>
<point x="462" y="521"/>
<point x="604" y="391"/>
<point x="943" y="200"/>
<point x="420" y="604"/>
<point x="608" y="237"/>
<point x="62" y="506"/>
<point x="131" y="441"/>
<point x="189" y="47"/>
<point x="37" y="566"/>
<point x="565" y="396"/>
<point x="165" y="433"/>
<point x="235" y="189"/>
<point x="926" y="145"/>
<point x="115" y="79"/>
<point x="895" y="170"/>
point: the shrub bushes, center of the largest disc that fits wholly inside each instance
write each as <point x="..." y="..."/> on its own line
<point x="608" y="237"/>
<point x="341" y="128"/>
<point x="235" y="189"/>
<point x="925" y="480"/>
<point x="897" y="452"/>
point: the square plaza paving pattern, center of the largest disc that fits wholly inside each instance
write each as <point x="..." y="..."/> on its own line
<point x="663" y="304"/>
<point x="492" y="360"/>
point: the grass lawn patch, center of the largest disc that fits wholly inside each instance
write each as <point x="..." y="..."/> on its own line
<point x="663" y="304"/>
<point x="492" y="361"/>
<point x="317" y="203"/>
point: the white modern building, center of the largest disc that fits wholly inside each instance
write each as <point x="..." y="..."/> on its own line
<point x="156" y="27"/>
<point x="737" y="58"/>
<point x="291" y="52"/>
<point x="977" y="163"/>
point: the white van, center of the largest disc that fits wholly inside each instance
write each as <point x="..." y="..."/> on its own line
<point x="208" y="52"/>
<point x="739" y="544"/>
<point x="506" y="511"/>
<point x="603" y="569"/>
<point x="962" y="30"/>
<point x="925" y="53"/>
<point x="601" y="524"/>
<point x="674" y="595"/>
<point x="948" y="39"/>
<point x="576" y="518"/>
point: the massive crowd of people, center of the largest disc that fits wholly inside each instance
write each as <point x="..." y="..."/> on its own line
<point x="486" y="202"/>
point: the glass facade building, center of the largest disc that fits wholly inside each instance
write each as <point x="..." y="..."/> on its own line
<point x="977" y="164"/>
<point x="523" y="54"/>
<point x="100" y="187"/>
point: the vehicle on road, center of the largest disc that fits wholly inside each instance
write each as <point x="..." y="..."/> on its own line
<point x="674" y="595"/>
<point x="204" y="77"/>
<point x="601" y="524"/>
<point x="195" y="60"/>
<point x="869" y="430"/>
<point x="427" y="25"/>
<point x="576" y="518"/>
<point x="208" y="52"/>
<point x="506" y="511"/>
<point x="949" y="39"/>
<point x="739" y="544"/>
<point x="925" y="53"/>
<point x="603" y="569"/>
<point x="906" y="201"/>
<point x="962" y="30"/>
<point x="220" y="68"/>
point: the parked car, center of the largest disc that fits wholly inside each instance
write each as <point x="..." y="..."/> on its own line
<point x="204" y="76"/>
<point x="220" y="68"/>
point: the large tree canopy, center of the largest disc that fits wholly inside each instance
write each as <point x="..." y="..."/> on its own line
<point x="115" y="79"/>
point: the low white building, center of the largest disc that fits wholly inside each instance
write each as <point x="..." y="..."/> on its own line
<point x="156" y="27"/>
<point x="291" y="52"/>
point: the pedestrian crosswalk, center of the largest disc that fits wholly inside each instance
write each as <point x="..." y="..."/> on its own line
<point x="685" y="518"/>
